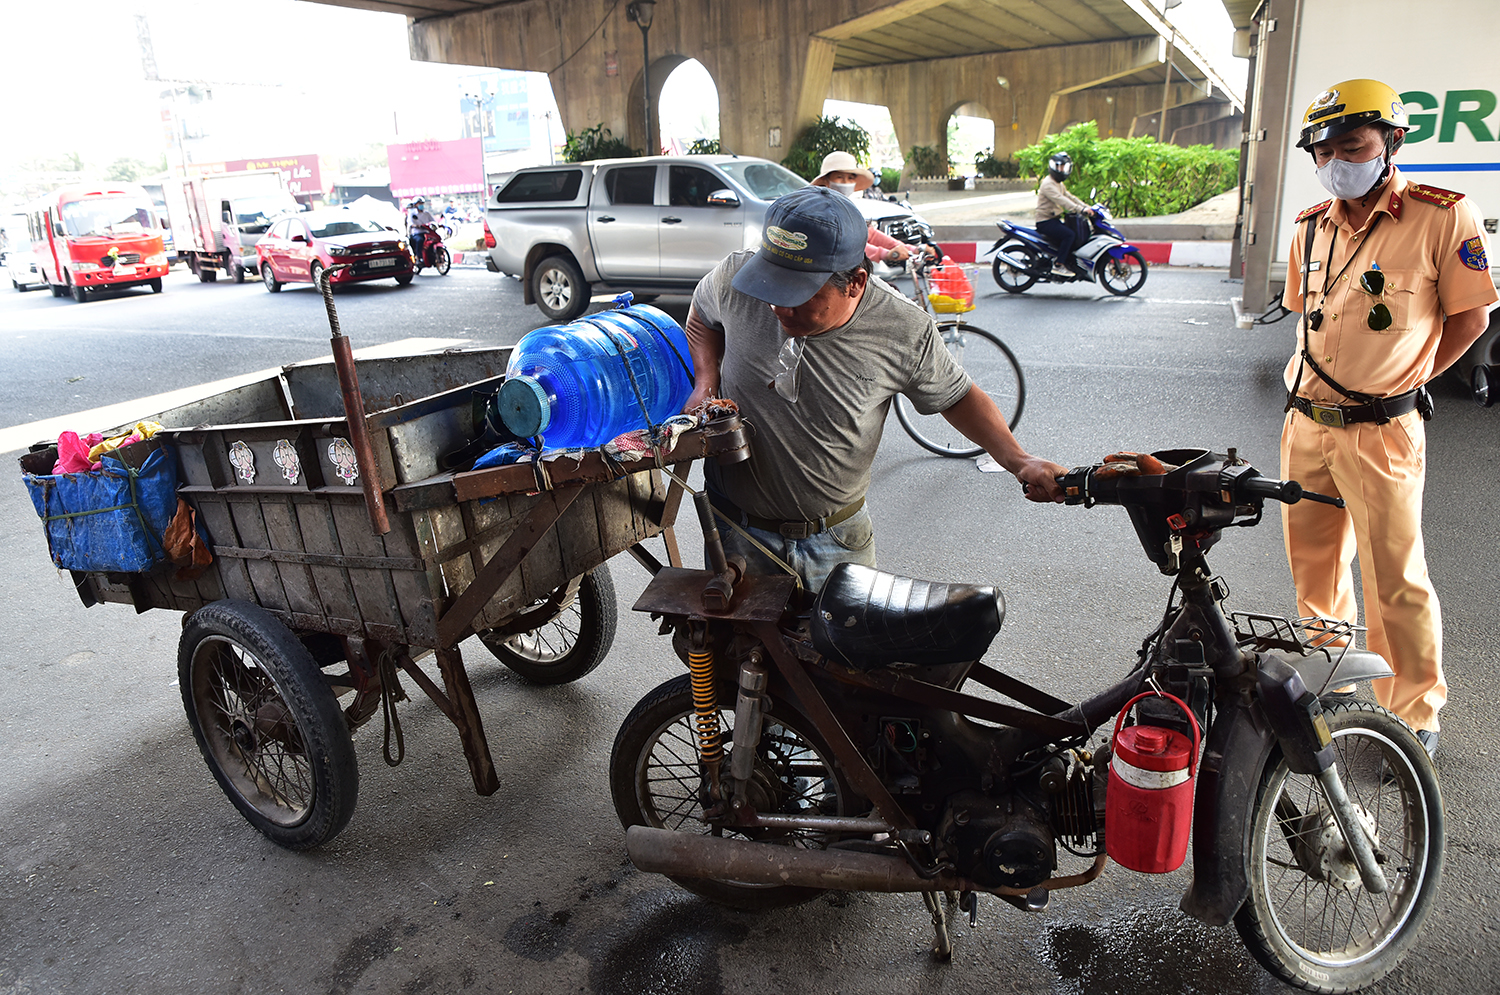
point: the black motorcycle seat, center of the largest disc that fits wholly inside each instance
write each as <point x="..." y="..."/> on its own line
<point x="868" y="619"/>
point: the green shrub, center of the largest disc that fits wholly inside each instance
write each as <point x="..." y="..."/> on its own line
<point x="825" y="135"/>
<point x="1136" y="177"/>
<point x="596" y="143"/>
<point x="890" y="180"/>
<point x="989" y="167"/>
<point x="704" y="146"/>
<point x="926" y="161"/>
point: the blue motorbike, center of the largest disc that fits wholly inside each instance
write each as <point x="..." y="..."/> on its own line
<point x="1024" y="257"/>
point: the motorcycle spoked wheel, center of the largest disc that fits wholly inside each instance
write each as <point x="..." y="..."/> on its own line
<point x="1308" y="919"/>
<point x="654" y="778"/>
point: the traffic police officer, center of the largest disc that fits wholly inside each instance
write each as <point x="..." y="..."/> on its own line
<point x="1393" y="286"/>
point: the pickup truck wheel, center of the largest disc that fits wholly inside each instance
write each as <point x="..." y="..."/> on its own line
<point x="559" y="289"/>
<point x="238" y="273"/>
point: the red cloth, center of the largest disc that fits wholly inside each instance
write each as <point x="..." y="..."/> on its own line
<point x="73" y="452"/>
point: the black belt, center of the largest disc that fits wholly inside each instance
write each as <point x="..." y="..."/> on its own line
<point x="786" y="529"/>
<point x="1382" y="409"/>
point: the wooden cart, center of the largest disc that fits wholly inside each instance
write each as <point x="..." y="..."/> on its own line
<point x="305" y="603"/>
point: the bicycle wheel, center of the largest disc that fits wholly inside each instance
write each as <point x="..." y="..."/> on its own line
<point x="992" y="366"/>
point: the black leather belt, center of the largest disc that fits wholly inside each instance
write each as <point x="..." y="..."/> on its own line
<point x="786" y="529"/>
<point x="1382" y="409"/>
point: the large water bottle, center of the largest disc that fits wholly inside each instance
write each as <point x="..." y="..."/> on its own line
<point x="570" y="385"/>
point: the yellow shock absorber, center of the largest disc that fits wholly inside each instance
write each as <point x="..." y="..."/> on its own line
<point x="706" y="708"/>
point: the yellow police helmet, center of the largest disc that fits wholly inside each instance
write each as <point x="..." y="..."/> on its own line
<point x="1346" y="106"/>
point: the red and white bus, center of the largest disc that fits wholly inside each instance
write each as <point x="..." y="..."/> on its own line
<point x="88" y="238"/>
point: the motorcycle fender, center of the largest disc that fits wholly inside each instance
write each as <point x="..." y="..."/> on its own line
<point x="1119" y="249"/>
<point x="1234" y="757"/>
<point x="998" y="242"/>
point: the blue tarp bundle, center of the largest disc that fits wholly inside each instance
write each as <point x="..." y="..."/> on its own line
<point x="110" y="519"/>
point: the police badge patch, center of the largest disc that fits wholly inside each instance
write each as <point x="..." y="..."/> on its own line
<point x="1471" y="254"/>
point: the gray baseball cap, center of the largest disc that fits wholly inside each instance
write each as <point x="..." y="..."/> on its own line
<point x="809" y="235"/>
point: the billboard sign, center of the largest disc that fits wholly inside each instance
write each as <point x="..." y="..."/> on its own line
<point x="495" y="108"/>
<point x="304" y="173"/>
<point x="436" y="167"/>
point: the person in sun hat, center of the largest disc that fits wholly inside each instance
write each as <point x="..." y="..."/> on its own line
<point x="842" y="174"/>
<point x="1392" y="280"/>
<point x="813" y="348"/>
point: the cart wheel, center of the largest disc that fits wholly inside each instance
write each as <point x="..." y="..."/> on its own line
<point x="572" y="643"/>
<point x="268" y="724"/>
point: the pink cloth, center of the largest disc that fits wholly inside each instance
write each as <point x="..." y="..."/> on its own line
<point x="878" y="244"/>
<point x="73" y="452"/>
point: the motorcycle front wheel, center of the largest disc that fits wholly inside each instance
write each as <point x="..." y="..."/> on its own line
<point x="992" y="366"/>
<point x="654" y="778"/>
<point x="441" y="260"/>
<point x="1308" y="919"/>
<point x="1124" y="276"/>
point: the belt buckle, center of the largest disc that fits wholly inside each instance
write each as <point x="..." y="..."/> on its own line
<point x="1323" y="414"/>
<point x="795" y="530"/>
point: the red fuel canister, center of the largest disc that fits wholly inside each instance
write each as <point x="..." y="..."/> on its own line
<point x="1148" y="807"/>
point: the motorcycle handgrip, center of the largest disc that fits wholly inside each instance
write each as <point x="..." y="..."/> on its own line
<point x="1286" y="491"/>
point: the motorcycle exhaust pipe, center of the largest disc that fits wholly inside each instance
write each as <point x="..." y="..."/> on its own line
<point x="688" y="855"/>
<point x="1014" y="263"/>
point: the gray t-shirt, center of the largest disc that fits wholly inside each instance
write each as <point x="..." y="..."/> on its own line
<point x="811" y="457"/>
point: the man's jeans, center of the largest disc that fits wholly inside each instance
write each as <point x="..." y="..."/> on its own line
<point x="850" y="541"/>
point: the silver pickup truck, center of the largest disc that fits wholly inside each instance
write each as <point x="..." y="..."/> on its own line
<point x="653" y="225"/>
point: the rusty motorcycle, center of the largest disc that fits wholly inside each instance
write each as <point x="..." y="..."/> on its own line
<point x="827" y="742"/>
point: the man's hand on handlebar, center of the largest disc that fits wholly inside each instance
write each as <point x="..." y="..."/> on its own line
<point x="1039" y="480"/>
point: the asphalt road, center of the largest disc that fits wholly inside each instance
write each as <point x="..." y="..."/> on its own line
<point x="125" y="869"/>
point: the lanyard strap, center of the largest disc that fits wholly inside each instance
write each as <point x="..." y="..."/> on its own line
<point x="1306" y="356"/>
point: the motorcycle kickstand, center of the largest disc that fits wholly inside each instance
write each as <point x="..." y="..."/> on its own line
<point x="942" y="947"/>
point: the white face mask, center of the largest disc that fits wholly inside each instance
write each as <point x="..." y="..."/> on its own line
<point x="1350" y="180"/>
<point x="847" y="189"/>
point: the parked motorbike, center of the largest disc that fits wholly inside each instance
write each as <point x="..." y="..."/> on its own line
<point x="828" y="743"/>
<point x="1024" y="257"/>
<point x="434" y="253"/>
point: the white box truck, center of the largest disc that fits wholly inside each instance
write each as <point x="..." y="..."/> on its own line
<point x="217" y="219"/>
<point x="1438" y="55"/>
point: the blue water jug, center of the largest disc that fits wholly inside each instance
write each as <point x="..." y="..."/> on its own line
<point x="570" y="385"/>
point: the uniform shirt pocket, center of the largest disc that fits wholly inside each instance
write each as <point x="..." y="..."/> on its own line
<point x="1400" y="289"/>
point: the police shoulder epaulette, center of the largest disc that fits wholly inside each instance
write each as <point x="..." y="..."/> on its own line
<point x="1434" y="195"/>
<point x="1314" y="211"/>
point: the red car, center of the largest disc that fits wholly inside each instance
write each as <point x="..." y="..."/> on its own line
<point x="298" y="247"/>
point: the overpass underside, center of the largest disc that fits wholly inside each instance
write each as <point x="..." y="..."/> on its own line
<point x="776" y="61"/>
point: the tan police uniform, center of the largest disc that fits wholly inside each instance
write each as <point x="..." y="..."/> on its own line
<point x="1430" y="245"/>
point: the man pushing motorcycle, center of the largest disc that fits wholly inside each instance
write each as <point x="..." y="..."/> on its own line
<point x="813" y="349"/>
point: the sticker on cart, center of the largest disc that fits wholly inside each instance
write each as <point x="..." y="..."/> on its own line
<point x="341" y="454"/>
<point x="285" y="455"/>
<point x="244" y="462"/>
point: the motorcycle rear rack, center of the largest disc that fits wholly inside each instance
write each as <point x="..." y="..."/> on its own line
<point x="1302" y="636"/>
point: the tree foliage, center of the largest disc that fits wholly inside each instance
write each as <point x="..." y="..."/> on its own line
<point x="890" y="180"/>
<point x="596" y="143"/>
<point x="704" y="146"/>
<point x="825" y="135"/>
<point x="1136" y="177"/>
<point x="987" y="166"/>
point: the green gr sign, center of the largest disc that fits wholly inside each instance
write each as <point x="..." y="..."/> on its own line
<point x="1468" y="108"/>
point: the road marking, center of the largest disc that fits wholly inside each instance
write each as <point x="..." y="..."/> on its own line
<point x="19" y="437"/>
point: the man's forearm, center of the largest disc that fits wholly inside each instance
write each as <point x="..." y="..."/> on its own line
<point x="706" y="344"/>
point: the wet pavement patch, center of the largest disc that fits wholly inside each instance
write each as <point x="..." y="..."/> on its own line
<point x="667" y="942"/>
<point x="539" y="935"/>
<point x="1151" y="950"/>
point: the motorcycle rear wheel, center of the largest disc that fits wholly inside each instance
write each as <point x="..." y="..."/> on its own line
<point x="1012" y="280"/>
<point x="654" y="778"/>
<point x="1308" y="920"/>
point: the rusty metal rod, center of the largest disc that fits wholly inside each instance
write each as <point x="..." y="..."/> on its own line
<point x="689" y="855"/>
<point x="354" y="409"/>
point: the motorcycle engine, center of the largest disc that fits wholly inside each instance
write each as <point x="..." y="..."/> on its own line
<point x="1003" y="842"/>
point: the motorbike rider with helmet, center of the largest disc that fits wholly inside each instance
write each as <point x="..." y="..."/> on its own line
<point x="1059" y="213"/>
<point x="417" y="217"/>
<point x="1393" y="285"/>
